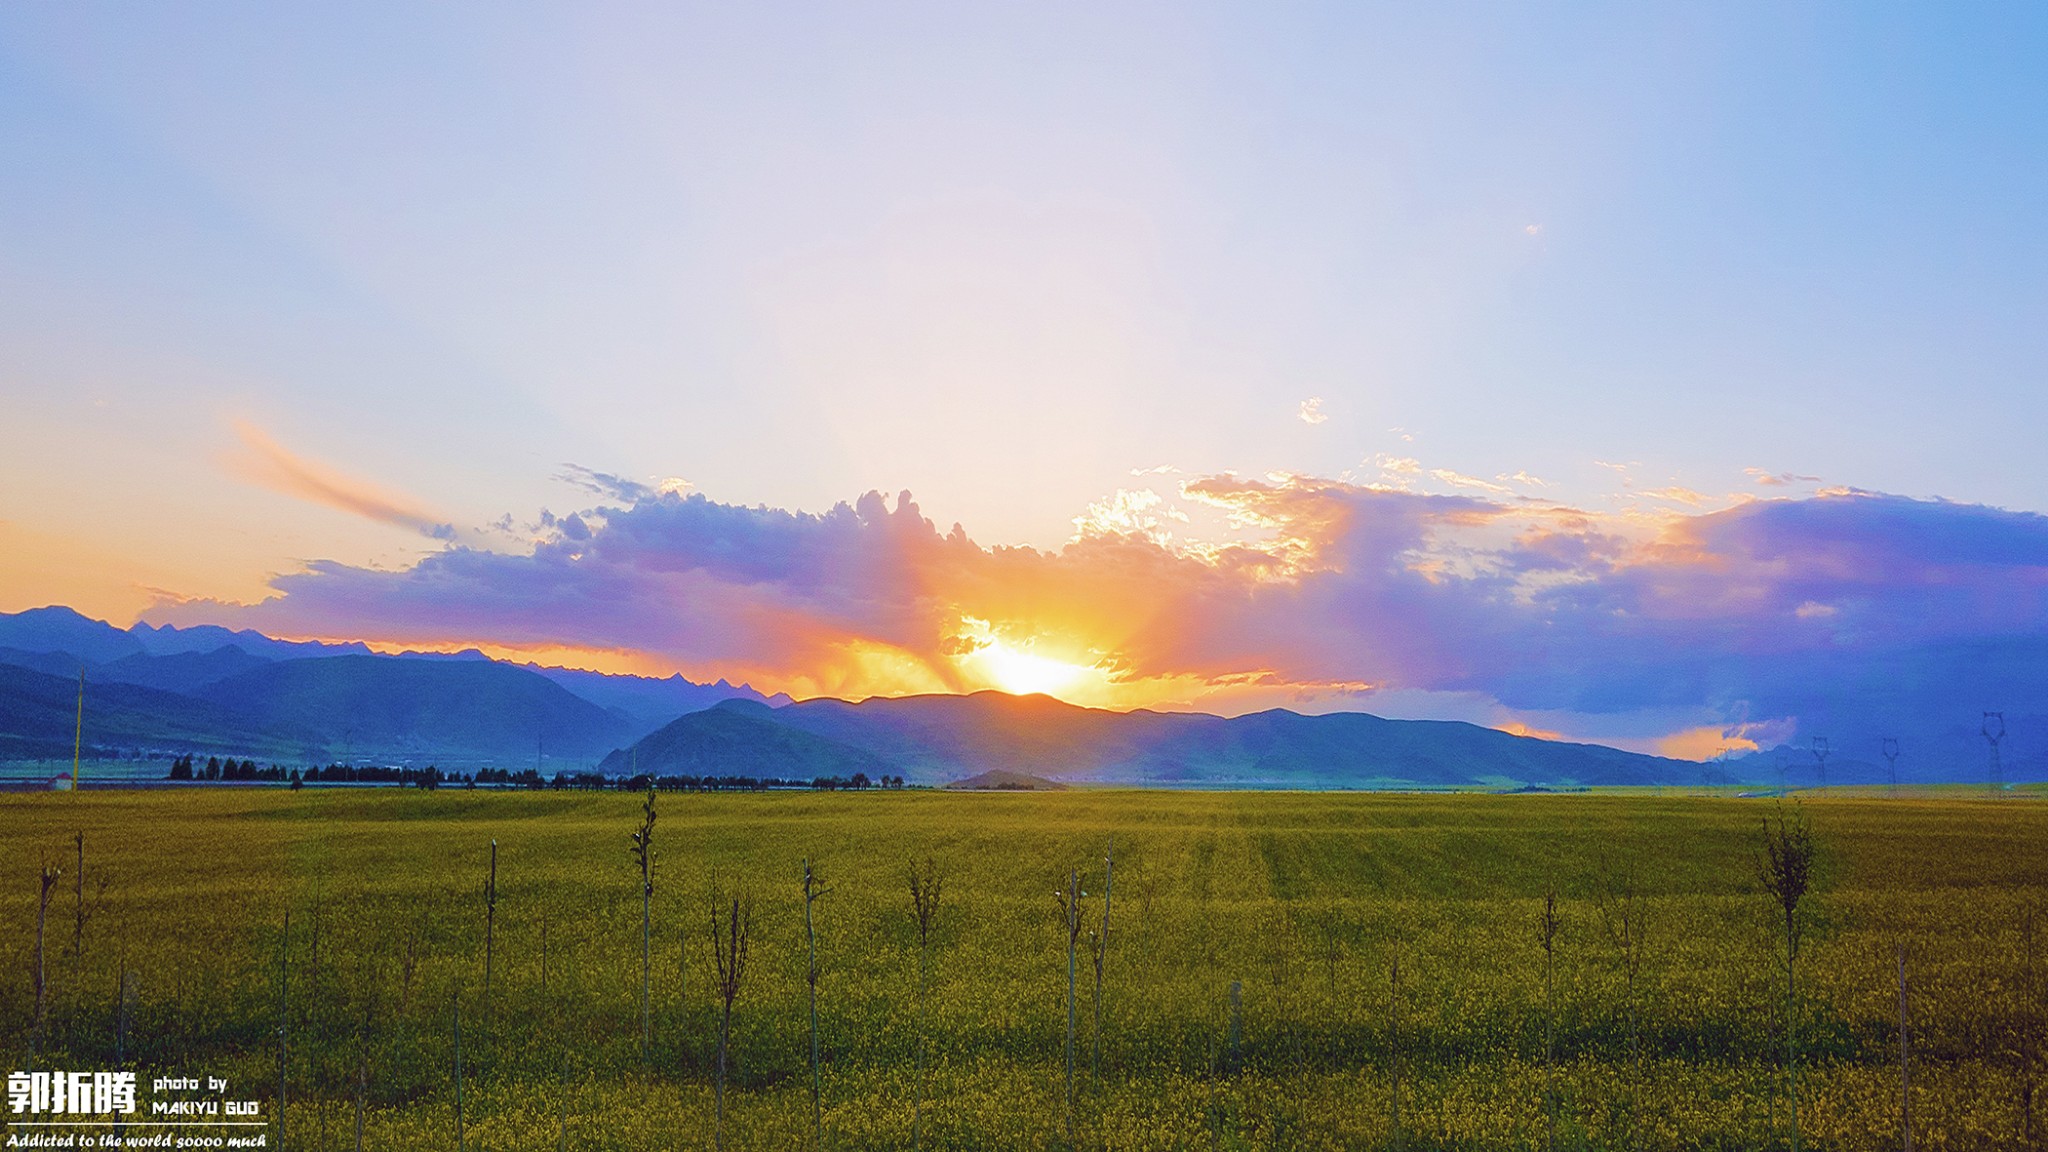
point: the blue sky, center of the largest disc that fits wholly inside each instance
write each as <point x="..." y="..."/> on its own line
<point x="1015" y="260"/>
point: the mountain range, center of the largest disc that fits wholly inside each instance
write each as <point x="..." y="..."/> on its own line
<point x="166" y="691"/>
<point x="212" y="691"/>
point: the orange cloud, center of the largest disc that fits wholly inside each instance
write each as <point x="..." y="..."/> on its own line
<point x="1703" y="743"/>
<point x="266" y="462"/>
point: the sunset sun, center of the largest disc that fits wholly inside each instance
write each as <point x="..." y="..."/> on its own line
<point x="1021" y="672"/>
<point x="1019" y="667"/>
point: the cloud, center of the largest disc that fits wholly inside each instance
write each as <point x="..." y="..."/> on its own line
<point x="607" y="486"/>
<point x="266" y="462"/>
<point x="1770" y="479"/>
<point x="1312" y="411"/>
<point x="1677" y="495"/>
<point x="1816" y="614"/>
<point x="1140" y="513"/>
<point x="1459" y="480"/>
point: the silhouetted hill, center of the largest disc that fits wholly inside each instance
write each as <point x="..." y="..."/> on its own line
<point x="934" y="739"/>
<point x="998" y="780"/>
<point x="1354" y="746"/>
<point x="48" y="663"/>
<point x="38" y="713"/>
<point x="739" y="738"/>
<point x="183" y="672"/>
<point x="393" y="708"/>
<point x="59" y="629"/>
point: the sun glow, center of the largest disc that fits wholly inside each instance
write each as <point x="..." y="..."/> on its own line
<point x="987" y="657"/>
<point x="1022" y="672"/>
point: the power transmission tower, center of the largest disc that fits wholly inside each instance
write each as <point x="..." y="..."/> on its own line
<point x="1890" y="746"/>
<point x="1994" y="731"/>
<point x="1820" y="756"/>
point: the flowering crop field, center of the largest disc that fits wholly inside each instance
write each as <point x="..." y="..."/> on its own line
<point x="1248" y="995"/>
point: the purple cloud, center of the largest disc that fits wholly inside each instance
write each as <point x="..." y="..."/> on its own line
<point x="1771" y="610"/>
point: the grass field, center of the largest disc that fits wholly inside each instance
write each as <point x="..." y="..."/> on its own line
<point x="1303" y="901"/>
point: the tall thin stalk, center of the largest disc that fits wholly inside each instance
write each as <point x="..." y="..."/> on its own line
<point x="50" y="875"/>
<point x="812" y="890"/>
<point x="124" y="1013"/>
<point x="643" y="852"/>
<point x="1070" y="901"/>
<point x="926" y="883"/>
<point x="1547" y="928"/>
<point x="490" y="931"/>
<point x="123" y="1006"/>
<point x="314" y="1048"/>
<point x="731" y="923"/>
<point x="1099" y="952"/>
<point x="1622" y="916"/>
<point x="78" y="890"/>
<point x="1784" y="868"/>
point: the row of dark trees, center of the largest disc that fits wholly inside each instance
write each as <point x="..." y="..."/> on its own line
<point x="431" y="777"/>
<point x="184" y="768"/>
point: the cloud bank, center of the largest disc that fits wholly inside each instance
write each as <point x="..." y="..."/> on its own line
<point x="1705" y="630"/>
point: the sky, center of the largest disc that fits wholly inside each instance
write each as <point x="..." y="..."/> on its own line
<point x="1614" y="372"/>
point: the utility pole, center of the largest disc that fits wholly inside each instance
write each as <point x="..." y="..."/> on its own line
<point x="78" y="734"/>
<point x="1994" y="731"/>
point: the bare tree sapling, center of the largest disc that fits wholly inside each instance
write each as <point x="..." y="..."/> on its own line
<point x="1784" y="868"/>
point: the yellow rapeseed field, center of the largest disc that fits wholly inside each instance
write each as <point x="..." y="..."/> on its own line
<point x="1304" y="902"/>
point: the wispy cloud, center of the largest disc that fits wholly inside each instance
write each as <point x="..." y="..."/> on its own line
<point x="1460" y="480"/>
<point x="1677" y="495"/>
<point x="1770" y="479"/>
<point x="1312" y="411"/>
<point x="266" y="462"/>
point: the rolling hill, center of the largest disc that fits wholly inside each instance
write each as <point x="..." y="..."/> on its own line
<point x="740" y="738"/>
<point x="413" y="708"/>
<point x="938" y="739"/>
